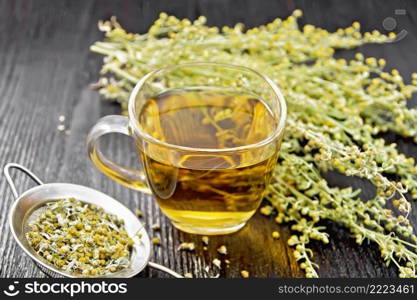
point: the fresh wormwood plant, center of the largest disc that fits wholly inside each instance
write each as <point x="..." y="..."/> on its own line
<point x="336" y="107"/>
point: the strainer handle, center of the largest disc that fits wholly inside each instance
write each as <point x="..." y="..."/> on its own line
<point x="10" y="181"/>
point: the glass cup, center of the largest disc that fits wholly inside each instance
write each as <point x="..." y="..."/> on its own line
<point x="208" y="137"/>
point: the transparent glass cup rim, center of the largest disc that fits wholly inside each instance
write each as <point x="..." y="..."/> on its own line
<point x="144" y="135"/>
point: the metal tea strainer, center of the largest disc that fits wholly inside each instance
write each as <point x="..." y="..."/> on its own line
<point x="30" y="204"/>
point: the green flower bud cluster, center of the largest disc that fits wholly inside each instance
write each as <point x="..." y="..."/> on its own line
<point x="337" y="108"/>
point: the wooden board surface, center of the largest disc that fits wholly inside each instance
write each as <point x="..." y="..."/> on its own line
<point x="45" y="71"/>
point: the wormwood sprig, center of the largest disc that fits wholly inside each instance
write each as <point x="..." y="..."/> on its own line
<point x="337" y="108"/>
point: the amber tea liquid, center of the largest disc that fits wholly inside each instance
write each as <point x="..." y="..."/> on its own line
<point x="208" y="191"/>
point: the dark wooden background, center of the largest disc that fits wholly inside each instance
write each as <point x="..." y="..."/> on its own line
<point x="45" y="71"/>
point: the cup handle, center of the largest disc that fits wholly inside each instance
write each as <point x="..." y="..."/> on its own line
<point x="131" y="178"/>
<point x="21" y="168"/>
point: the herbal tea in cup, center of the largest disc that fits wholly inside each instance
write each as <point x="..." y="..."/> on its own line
<point x="208" y="137"/>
